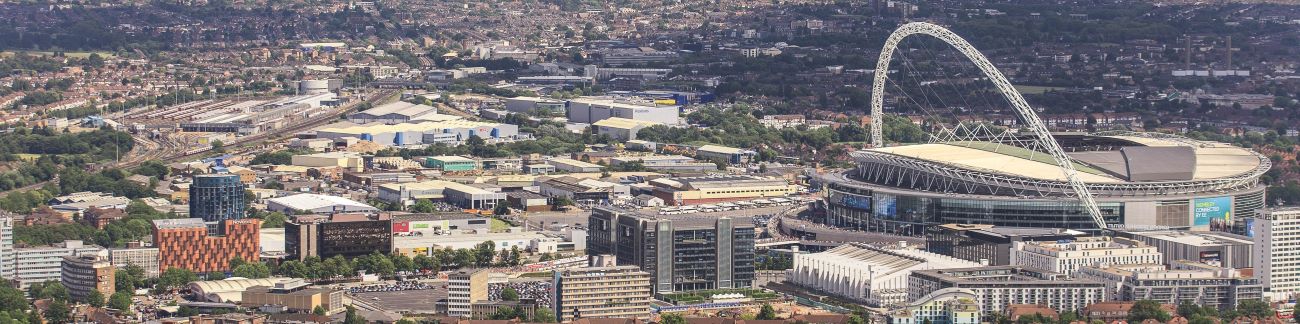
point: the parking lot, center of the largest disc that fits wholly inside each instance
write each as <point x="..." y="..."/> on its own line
<point x="418" y="301"/>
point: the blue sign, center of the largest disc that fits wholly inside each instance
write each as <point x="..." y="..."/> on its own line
<point x="1213" y="212"/>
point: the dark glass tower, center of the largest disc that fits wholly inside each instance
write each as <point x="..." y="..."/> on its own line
<point x="215" y="197"/>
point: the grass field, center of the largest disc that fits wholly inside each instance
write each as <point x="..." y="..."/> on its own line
<point x="1025" y="89"/>
<point x="499" y="225"/>
<point x="80" y="55"/>
<point x="28" y="157"/>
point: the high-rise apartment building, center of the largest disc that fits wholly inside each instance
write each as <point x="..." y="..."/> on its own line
<point x="1276" y="234"/>
<point x="82" y="274"/>
<point x="681" y="252"/>
<point x="191" y="244"/>
<point x="999" y="286"/>
<point x="144" y="257"/>
<point x="1188" y="282"/>
<point x="216" y="197"/>
<point x="45" y="263"/>
<point x="602" y="292"/>
<point x="464" y="288"/>
<point x="6" y="246"/>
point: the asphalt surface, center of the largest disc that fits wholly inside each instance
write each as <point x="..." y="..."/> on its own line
<point x="404" y="301"/>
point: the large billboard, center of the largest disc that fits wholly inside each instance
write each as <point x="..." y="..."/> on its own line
<point x="1214" y="212"/>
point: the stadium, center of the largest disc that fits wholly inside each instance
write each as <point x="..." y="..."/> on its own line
<point x="1136" y="179"/>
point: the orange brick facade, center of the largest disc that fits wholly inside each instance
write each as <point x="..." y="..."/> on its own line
<point x="191" y="248"/>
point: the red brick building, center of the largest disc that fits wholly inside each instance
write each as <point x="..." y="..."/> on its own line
<point x="188" y="244"/>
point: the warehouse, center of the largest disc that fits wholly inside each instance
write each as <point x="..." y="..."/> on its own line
<point x="392" y="113"/>
<point x="571" y="165"/>
<point x="713" y="189"/>
<point x="461" y="195"/>
<point x="622" y="129"/>
<point x="346" y="160"/>
<point x="450" y="163"/>
<point x="316" y="204"/>
<point x="451" y="132"/>
<point x="591" y="110"/>
<point x="439" y="223"/>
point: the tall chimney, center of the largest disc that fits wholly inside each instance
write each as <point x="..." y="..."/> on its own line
<point x="1229" y="54"/>
<point x="1187" y="54"/>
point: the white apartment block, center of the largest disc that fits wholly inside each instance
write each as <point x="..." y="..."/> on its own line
<point x="1277" y="249"/>
<point x="464" y="288"/>
<point x="45" y="263"/>
<point x="146" y="258"/>
<point x="6" y="247"/>
<point x="1067" y="257"/>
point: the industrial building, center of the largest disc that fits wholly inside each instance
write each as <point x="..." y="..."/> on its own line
<point x="216" y="197"/>
<point x="348" y="235"/>
<point x="532" y="105"/>
<point x="392" y="113"/>
<point x="433" y="224"/>
<point x="621" y="129"/>
<point x="987" y="244"/>
<point x="243" y="117"/>
<point x="83" y="274"/>
<point x="996" y="287"/>
<point x="666" y="163"/>
<point x="716" y="189"/>
<point x="450" y="163"/>
<point x="722" y="248"/>
<point x="188" y="243"/>
<point x="419" y="133"/>
<point x="1136" y="179"/>
<point x="349" y="161"/>
<point x="316" y="204"/>
<point x="601" y="292"/>
<point x="592" y="110"/>
<point x="413" y="245"/>
<point x="1066" y="257"/>
<point x="574" y="166"/>
<point x="868" y="274"/>
<point x="582" y="190"/>
<point x="1191" y="282"/>
<point x="723" y="153"/>
<point x="1213" y="248"/>
<point x="465" y="196"/>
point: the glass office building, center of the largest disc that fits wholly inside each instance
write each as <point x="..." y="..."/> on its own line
<point x="216" y="197"/>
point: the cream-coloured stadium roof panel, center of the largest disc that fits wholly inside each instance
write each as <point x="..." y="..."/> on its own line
<point x="977" y="159"/>
<point x="1213" y="159"/>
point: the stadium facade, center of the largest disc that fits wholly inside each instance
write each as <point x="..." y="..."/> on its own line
<point x="1137" y="179"/>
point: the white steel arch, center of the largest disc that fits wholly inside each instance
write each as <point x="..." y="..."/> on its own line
<point x="1026" y="113"/>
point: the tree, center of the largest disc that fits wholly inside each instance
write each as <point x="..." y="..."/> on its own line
<point x="173" y="279"/>
<point x="95" y="298"/>
<point x="424" y="262"/>
<point x="855" y="319"/>
<point x="483" y="253"/>
<point x="11" y="299"/>
<point x="51" y="289"/>
<point x="1254" y="309"/>
<point x="501" y="209"/>
<point x="252" y="271"/>
<point x="509" y="294"/>
<point x="543" y="315"/>
<point x="423" y="206"/>
<point x="766" y="313"/>
<point x="120" y="300"/>
<point x="1147" y="309"/>
<point x="218" y="146"/>
<point x="58" y="312"/>
<point x="671" y="318"/>
<point x="274" y="220"/>
<point x="318" y="310"/>
<point x="351" y="317"/>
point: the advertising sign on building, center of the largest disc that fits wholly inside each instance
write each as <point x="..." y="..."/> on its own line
<point x="1212" y="213"/>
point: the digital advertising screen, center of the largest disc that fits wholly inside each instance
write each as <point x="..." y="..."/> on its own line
<point x="1212" y="212"/>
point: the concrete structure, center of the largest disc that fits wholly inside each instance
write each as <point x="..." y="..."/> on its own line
<point x="722" y="248"/>
<point x="45" y="263"/>
<point x="294" y="295"/>
<point x="464" y="288"/>
<point x="528" y="201"/>
<point x="944" y="306"/>
<point x="872" y="275"/>
<point x="622" y="129"/>
<point x="1213" y="248"/>
<point x="601" y="292"/>
<point x="575" y="166"/>
<point x="996" y="287"/>
<point x="83" y="274"/>
<point x="144" y="257"/>
<point x="1068" y="256"/>
<point x="316" y="204"/>
<point x="217" y="197"/>
<point x="715" y="189"/>
<point x="349" y="161"/>
<point x="419" y="133"/>
<point x="439" y="223"/>
<point x="582" y="190"/>
<point x="592" y="110"/>
<point x="987" y="244"/>
<point x="722" y="153"/>
<point x="1195" y="283"/>
<point x="188" y="243"/>
<point x="413" y="245"/>
<point x="462" y="195"/>
<point x="1277" y="241"/>
<point x="392" y="113"/>
<point x="667" y="163"/>
<point x="229" y="290"/>
<point x="348" y="235"/>
<point x="531" y="105"/>
<point x="450" y="163"/>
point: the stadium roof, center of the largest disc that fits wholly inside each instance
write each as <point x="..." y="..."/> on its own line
<point x="314" y="201"/>
<point x="1160" y="159"/>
